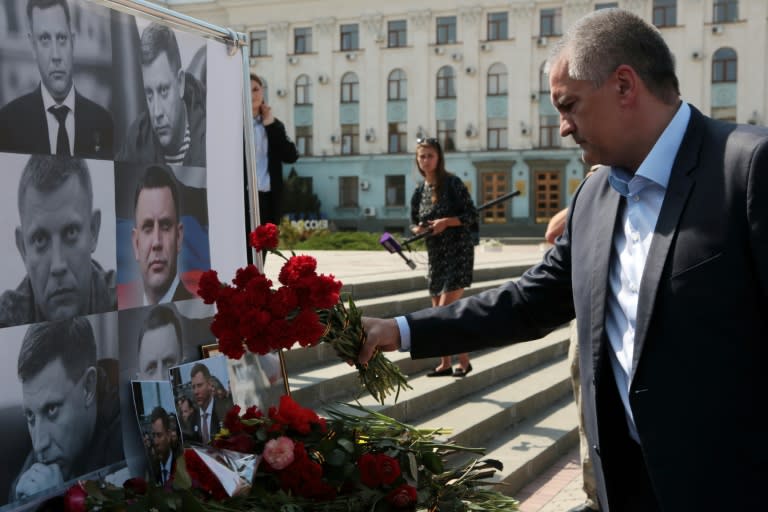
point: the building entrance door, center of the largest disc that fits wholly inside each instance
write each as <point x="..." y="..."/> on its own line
<point x="548" y="187"/>
<point x="493" y="185"/>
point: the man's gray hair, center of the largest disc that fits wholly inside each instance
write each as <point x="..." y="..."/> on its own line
<point x="603" y="40"/>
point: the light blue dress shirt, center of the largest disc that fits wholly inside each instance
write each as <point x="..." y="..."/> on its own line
<point x="263" y="183"/>
<point x="643" y="196"/>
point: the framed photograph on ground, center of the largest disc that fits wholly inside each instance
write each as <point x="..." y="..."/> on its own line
<point x="210" y="350"/>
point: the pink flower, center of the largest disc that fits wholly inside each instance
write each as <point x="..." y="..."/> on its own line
<point x="279" y="452"/>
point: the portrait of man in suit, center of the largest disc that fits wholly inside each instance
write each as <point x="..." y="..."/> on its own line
<point x="172" y="128"/>
<point x="70" y="401"/>
<point x="210" y="411"/>
<point x="160" y="344"/>
<point x="57" y="235"/>
<point x="55" y="118"/>
<point x="664" y="264"/>
<point x="158" y="236"/>
<point x="165" y="455"/>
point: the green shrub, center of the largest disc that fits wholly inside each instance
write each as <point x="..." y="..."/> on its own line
<point x="291" y="239"/>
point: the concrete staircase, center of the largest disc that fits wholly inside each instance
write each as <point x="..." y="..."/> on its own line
<point x="517" y="403"/>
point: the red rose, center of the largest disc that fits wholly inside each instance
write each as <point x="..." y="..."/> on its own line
<point x="402" y="497"/>
<point x="389" y="468"/>
<point x="369" y="471"/>
<point x="265" y="237"/>
<point x="74" y="499"/>
<point x="136" y="485"/>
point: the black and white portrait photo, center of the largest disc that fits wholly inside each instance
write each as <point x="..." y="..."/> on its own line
<point x="204" y="383"/>
<point x="159" y="429"/>
<point x="55" y="79"/>
<point x="60" y="411"/>
<point x="169" y="125"/>
<point x="58" y="242"/>
<point x="162" y="233"/>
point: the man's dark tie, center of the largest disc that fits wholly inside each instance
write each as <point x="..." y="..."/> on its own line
<point x="165" y="475"/>
<point x="206" y="433"/>
<point x="62" y="139"/>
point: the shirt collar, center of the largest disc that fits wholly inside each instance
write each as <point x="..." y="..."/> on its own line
<point x="168" y="297"/>
<point x="49" y="102"/>
<point x="657" y="166"/>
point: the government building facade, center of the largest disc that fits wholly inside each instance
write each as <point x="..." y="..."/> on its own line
<point x="357" y="83"/>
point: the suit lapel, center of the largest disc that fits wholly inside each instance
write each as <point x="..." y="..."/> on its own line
<point x="678" y="189"/>
<point x="38" y="111"/>
<point x="601" y="259"/>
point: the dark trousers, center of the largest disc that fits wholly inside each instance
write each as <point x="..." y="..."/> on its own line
<point x="267" y="211"/>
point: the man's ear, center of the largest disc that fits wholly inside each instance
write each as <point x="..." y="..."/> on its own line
<point x="95" y="227"/>
<point x="135" y="242"/>
<point x="20" y="243"/>
<point x="626" y="81"/>
<point x="181" y="77"/>
<point x="180" y="243"/>
<point x="90" y="386"/>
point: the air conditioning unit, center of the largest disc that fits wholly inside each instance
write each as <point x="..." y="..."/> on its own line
<point x="542" y="41"/>
<point x="696" y="55"/>
<point x="323" y="79"/>
<point x="351" y="56"/>
<point x="718" y="29"/>
<point x="282" y="93"/>
<point x="470" y="70"/>
<point x="369" y="211"/>
<point x="439" y="50"/>
<point x="293" y="60"/>
<point x="334" y="138"/>
<point x="534" y="96"/>
<point x="365" y="185"/>
<point x="471" y="131"/>
<point x="456" y="56"/>
<point x="485" y="47"/>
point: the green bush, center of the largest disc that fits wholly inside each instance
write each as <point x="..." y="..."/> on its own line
<point x="336" y="241"/>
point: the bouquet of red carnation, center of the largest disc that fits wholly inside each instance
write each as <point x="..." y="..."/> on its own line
<point x="305" y="309"/>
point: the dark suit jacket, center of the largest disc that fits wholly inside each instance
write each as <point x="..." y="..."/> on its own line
<point x="698" y="381"/>
<point x="218" y="414"/>
<point x="182" y="293"/>
<point x="23" y="127"/>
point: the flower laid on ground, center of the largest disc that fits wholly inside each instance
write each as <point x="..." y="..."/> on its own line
<point x="306" y="309"/>
<point x="354" y="460"/>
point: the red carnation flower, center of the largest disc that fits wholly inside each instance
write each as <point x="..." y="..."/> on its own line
<point x="296" y="268"/>
<point x="402" y="497"/>
<point x="265" y="237"/>
<point x="209" y="286"/>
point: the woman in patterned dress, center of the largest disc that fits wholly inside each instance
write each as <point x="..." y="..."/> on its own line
<point x="441" y="204"/>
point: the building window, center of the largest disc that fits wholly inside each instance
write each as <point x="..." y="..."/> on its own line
<point x="446" y="134"/>
<point x="303" y="91"/>
<point x="543" y="81"/>
<point x="348" y="191"/>
<point x="549" y="131"/>
<point x="259" y="43"/>
<point x="497" y="26"/>
<point x="304" y="140"/>
<point x="302" y="40"/>
<point x="724" y="66"/>
<point x="396" y="85"/>
<point x="497" y="80"/>
<point x="350" y="139"/>
<point x="550" y="22"/>
<point x="497" y="133"/>
<point x="350" y="37"/>
<point x="665" y="13"/>
<point x="350" y="88"/>
<point x="606" y="5"/>
<point x="395" y="190"/>
<point x="446" y="82"/>
<point x="396" y="138"/>
<point x="724" y="11"/>
<point x="397" y="34"/>
<point x="446" y="29"/>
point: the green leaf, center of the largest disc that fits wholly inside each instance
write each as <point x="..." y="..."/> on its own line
<point x="336" y="458"/>
<point x="432" y="462"/>
<point x="347" y="445"/>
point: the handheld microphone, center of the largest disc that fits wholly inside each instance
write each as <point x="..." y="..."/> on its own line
<point x="392" y="246"/>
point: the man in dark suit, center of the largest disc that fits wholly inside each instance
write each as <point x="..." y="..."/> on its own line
<point x="209" y="415"/>
<point x="157" y="237"/>
<point x="160" y="343"/>
<point x="55" y="118"/>
<point x="664" y="264"/>
<point x="164" y="465"/>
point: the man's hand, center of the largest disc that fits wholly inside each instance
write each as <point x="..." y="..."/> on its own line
<point x="38" y="478"/>
<point x="382" y="334"/>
